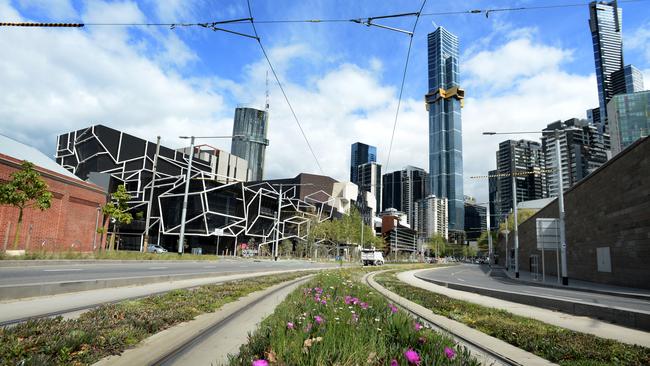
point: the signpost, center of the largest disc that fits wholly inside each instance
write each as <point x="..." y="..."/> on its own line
<point x="548" y="237"/>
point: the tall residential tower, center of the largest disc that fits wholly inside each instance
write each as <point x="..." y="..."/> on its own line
<point x="251" y="126"/>
<point x="444" y="101"/>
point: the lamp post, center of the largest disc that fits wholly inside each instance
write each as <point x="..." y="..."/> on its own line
<point x="187" y="183"/>
<point x="560" y="199"/>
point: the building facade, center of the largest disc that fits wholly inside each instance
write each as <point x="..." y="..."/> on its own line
<point x="475" y="220"/>
<point x="582" y="150"/>
<point x="360" y="154"/>
<point x="71" y="222"/>
<point x="431" y="217"/>
<point x="629" y="79"/>
<point x="513" y="159"/>
<point x="402" y="188"/>
<point x="444" y="101"/>
<point x="249" y="140"/>
<point x="399" y="238"/>
<point x="630" y="119"/>
<point x="369" y="180"/>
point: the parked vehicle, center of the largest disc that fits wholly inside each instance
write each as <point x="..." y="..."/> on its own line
<point x="153" y="248"/>
<point x="372" y="257"/>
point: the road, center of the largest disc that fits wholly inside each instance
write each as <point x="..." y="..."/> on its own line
<point x="474" y="275"/>
<point x="93" y="271"/>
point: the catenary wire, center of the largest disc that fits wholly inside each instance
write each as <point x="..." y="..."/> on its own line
<point x="277" y="79"/>
<point x="401" y="89"/>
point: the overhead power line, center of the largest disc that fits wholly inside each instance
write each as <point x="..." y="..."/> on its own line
<point x="401" y="89"/>
<point x="277" y="79"/>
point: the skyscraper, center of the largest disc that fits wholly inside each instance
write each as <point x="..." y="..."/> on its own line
<point x="629" y="119"/>
<point x="251" y="127"/>
<point x="360" y="154"/>
<point x="369" y="180"/>
<point x="402" y="188"/>
<point x="629" y="79"/>
<point x="582" y="150"/>
<point x="516" y="156"/>
<point x="444" y="101"/>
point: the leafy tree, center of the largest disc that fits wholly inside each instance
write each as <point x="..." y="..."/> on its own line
<point x="483" y="243"/>
<point x="25" y="189"/>
<point x="286" y="246"/>
<point x="438" y="244"/>
<point x="522" y="215"/>
<point x="118" y="210"/>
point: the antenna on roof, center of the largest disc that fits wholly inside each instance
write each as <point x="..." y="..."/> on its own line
<point x="267" y="91"/>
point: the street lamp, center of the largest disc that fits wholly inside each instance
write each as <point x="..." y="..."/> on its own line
<point x="187" y="183"/>
<point x="558" y="157"/>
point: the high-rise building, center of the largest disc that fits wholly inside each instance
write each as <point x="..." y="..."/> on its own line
<point x="402" y="188"/>
<point x="369" y="180"/>
<point x="494" y="198"/>
<point x="629" y="119"/>
<point x="360" y="154"/>
<point x="582" y="150"/>
<point x="251" y="126"/>
<point x="605" y="23"/>
<point x="513" y="158"/>
<point x="444" y="101"/>
<point x="629" y="79"/>
<point x="475" y="220"/>
<point x="430" y="217"/>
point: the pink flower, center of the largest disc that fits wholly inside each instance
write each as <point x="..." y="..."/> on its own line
<point x="355" y="317"/>
<point x="450" y="353"/>
<point x="289" y="325"/>
<point x="412" y="357"/>
<point x="260" y="363"/>
<point x="417" y="326"/>
<point x="393" y="308"/>
<point x="354" y="300"/>
<point x="319" y="319"/>
<point x="308" y="327"/>
<point x="363" y="305"/>
<point x="323" y="302"/>
<point x="394" y="363"/>
<point x="348" y="300"/>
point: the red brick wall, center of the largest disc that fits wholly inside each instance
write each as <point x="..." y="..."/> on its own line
<point x="69" y="224"/>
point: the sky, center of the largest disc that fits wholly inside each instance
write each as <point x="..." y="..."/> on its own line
<point x="521" y="70"/>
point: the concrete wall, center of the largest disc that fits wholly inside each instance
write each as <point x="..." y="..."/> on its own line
<point x="69" y="224"/>
<point x="609" y="208"/>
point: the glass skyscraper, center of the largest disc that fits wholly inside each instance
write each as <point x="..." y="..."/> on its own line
<point x="360" y="154"/>
<point x="605" y="23"/>
<point x="444" y="101"/>
<point x="251" y="125"/>
<point x="629" y="119"/>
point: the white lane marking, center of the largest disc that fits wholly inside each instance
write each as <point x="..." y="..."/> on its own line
<point x="460" y="279"/>
<point x="63" y="270"/>
<point x="209" y="266"/>
<point x="158" y="267"/>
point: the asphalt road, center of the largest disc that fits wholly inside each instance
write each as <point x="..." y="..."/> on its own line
<point x="92" y="271"/>
<point x="475" y="275"/>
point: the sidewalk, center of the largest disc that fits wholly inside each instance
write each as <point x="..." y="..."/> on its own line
<point x="577" y="285"/>
<point x="577" y="323"/>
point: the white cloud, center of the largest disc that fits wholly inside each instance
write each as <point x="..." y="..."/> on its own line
<point x="639" y="40"/>
<point x="61" y="10"/>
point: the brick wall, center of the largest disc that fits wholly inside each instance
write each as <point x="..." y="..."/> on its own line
<point x="69" y="224"/>
<point x="610" y="208"/>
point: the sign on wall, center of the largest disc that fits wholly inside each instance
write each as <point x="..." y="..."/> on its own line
<point x="548" y="234"/>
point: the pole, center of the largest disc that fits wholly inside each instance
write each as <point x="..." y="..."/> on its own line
<point x="145" y="244"/>
<point x="543" y="266"/>
<point x="218" y="237"/>
<point x="187" y="190"/>
<point x="514" y="205"/>
<point x="96" y="228"/>
<point x="557" y="255"/>
<point x="395" y="240"/>
<point x="507" y="253"/>
<point x="560" y="204"/>
<point x="277" y="229"/>
<point x="490" y="253"/>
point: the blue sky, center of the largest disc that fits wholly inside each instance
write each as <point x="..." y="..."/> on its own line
<point x="521" y="70"/>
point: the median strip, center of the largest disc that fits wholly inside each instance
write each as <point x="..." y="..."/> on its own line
<point x="551" y="342"/>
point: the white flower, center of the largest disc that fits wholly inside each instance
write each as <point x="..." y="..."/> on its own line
<point x="336" y="318"/>
<point x="379" y="329"/>
<point x="352" y="311"/>
<point x="376" y="319"/>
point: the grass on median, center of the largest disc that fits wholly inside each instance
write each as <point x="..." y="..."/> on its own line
<point x="111" y="329"/>
<point x="334" y="320"/>
<point x="553" y="343"/>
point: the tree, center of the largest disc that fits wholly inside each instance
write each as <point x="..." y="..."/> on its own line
<point x="286" y="246"/>
<point x="483" y="243"/>
<point x="523" y="214"/>
<point x="25" y="189"/>
<point x="118" y="210"/>
<point x="437" y="243"/>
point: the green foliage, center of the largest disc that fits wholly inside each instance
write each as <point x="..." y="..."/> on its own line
<point x="346" y="230"/>
<point x="112" y="328"/>
<point x="483" y="243"/>
<point x="437" y="243"/>
<point x="558" y="345"/>
<point x="286" y="247"/>
<point x="118" y="209"/>
<point x="350" y="333"/>
<point x="523" y="214"/>
<point x="25" y="189"/>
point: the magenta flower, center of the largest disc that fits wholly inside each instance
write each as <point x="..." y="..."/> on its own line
<point x="289" y="325"/>
<point x="393" y="308"/>
<point x="323" y="302"/>
<point x="260" y="363"/>
<point x="450" y="353"/>
<point x="394" y="363"/>
<point x="417" y="326"/>
<point x="348" y="300"/>
<point x="319" y="319"/>
<point x="412" y="357"/>
<point x="363" y="305"/>
<point x="354" y="300"/>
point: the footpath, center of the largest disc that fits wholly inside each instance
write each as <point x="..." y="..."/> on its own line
<point x="577" y="323"/>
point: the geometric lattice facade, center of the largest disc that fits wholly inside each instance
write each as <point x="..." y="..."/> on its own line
<point x="218" y="203"/>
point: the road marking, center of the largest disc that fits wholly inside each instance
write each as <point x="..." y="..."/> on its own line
<point x="209" y="266"/>
<point x="158" y="267"/>
<point x="62" y="270"/>
<point x="460" y="279"/>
